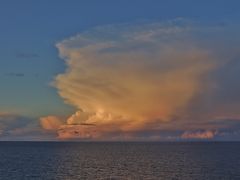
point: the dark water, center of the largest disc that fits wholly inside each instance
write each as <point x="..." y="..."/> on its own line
<point x="52" y="160"/>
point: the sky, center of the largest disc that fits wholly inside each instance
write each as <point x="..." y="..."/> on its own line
<point x="140" y="70"/>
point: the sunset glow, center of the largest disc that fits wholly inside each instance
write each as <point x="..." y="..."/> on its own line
<point x="162" y="78"/>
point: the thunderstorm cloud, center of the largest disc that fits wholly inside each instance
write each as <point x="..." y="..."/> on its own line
<point x="129" y="80"/>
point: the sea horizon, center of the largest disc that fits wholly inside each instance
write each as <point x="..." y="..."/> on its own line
<point x="120" y="90"/>
<point x="119" y="160"/>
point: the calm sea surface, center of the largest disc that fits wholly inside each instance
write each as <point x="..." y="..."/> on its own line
<point x="84" y="160"/>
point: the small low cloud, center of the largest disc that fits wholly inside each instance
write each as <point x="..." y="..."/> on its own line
<point x="51" y="122"/>
<point x="202" y="134"/>
<point x="16" y="127"/>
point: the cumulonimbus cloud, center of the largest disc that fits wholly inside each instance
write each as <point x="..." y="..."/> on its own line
<point x="128" y="78"/>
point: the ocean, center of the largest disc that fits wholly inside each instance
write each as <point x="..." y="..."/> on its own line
<point x="120" y="160"/>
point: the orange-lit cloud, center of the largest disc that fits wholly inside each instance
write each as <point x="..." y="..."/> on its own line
<point x="51" y="122"/>
<point x="123" y="78"/>
<point x="207" y="134"/>
<point x="78" y="131"/>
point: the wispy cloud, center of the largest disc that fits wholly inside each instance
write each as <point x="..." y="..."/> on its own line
<point x="24" y="55"/>
<point x="14" y="74"/>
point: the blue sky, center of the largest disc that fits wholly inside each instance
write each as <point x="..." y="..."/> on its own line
<point x="30" y="30"/>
